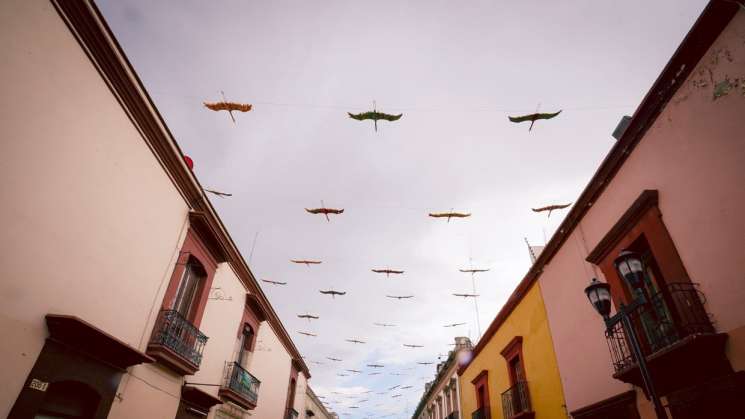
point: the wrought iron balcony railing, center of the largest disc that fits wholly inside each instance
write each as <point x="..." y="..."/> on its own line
<point x="516" y="400"/>
<point x="242" y="382"/>
<point x="176" y="333"/>
<point x="672" y="314"/>
<point x="291" y="414"/>
<point x="481" y="413"/>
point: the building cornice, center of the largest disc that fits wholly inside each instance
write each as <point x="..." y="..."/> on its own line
<point x="90" y="29"/>
<point x="699" y="39"/>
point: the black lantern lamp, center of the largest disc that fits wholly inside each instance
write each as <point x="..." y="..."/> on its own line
<point x="630" y="267"/>
<point x="599" y="295"/>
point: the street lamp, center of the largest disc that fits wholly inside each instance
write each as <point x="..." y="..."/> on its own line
<point x="599" y="295"/>
<point x="630" y="267"/>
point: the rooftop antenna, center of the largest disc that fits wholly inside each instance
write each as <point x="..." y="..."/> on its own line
<point x="475" y="299"/>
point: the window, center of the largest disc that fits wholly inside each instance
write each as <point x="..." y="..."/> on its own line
<point x="176" y="340"/>
<point x="516" y="399"/>
<point x="247" y="338"/>
<point x="190" y="286"/>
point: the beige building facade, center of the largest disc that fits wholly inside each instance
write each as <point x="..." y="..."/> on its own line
<point x="125" y="295"/>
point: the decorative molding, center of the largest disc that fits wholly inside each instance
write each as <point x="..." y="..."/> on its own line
<point x="483" y="375"/>
<point x="646" y="200"/>
<point x="514" y="345"/>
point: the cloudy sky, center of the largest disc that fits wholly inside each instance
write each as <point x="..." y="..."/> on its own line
<point x="455" y="70"/>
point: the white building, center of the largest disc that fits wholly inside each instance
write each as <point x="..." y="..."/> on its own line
<point x="441" y="398"/>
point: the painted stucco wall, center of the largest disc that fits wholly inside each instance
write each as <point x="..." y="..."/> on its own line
<point x="92" y="224"/>
<point x="528" y="320"/>
<point x="271" y="365"/>
<point x="694" y="155"/>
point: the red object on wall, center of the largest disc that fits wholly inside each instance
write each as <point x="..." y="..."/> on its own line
<point x="189" y="162"/>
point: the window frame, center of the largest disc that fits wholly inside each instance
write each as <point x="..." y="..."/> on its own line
<point x="193" y="248"/>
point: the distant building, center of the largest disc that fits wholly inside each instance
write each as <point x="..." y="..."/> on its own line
<point x="314" y="407"/>
<point x="441" y="398"/>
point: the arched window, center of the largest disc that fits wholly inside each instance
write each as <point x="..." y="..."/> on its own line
<point x="247" y="338"/>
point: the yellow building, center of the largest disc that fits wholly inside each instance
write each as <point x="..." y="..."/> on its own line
<point x="513" y="372"/>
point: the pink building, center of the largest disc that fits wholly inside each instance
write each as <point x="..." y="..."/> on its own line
<point x="672" y="190"/>
<point x="124" y="295"/>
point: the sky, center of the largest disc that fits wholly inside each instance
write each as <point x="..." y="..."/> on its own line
<point x="455" y="70"/>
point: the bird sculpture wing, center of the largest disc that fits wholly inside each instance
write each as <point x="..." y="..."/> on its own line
<point x="228" y="106"/>
<point x="389" y="117"/>
<point x="546" y="115"/>
<point x="218" y="193"/>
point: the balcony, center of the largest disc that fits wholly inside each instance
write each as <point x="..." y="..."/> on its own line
<point x="516" y="402"/>
<point x="481" y="413"/>
<point x="239" y="386"/>
<point x="676" y="337"/>
<point x="176" y="343"/>
<point x="291" y="414"/>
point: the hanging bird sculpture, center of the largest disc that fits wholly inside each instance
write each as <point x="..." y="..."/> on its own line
<point x="325" y="211"/>
<point x="532" y="118"/>
<point x="466" y="295"/>
<point x="473" y="271"/>
<point x="307" y="316"/>
<point x="306" y="262"/>
<point x="375" y="116"/>
<point x="274" y="282"/>
<point x="332" y="293"/>
<point x="355" y="341"/>
<point x="224" y="105"/>
<point x="449" y="215"/>
<point x="307" y="334"/>
<point x="387" y="272"/>
<point x="375" y="365"/>
<point x="384" y="324"/>
<point x="454" y="324"/>
<point x="550" y="208"/>
<point x="218" y="193"/>
<point x="408" y="345"/>
<point x="400" y="297"/>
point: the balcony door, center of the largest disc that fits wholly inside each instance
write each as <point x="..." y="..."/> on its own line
<point x="189" y="289"/>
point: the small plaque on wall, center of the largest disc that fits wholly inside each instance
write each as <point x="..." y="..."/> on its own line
<point x="38" y="385"/>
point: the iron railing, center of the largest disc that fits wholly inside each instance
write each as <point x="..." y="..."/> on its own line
<point x="481" y="413"/>
<point x="453" y="415"/>
<point x="516" y="400"/>
<point x="241" y="381"/>
<point x="173" y="331"/>
<point x="291" y="414"/>
<point x="672" y="314"/>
